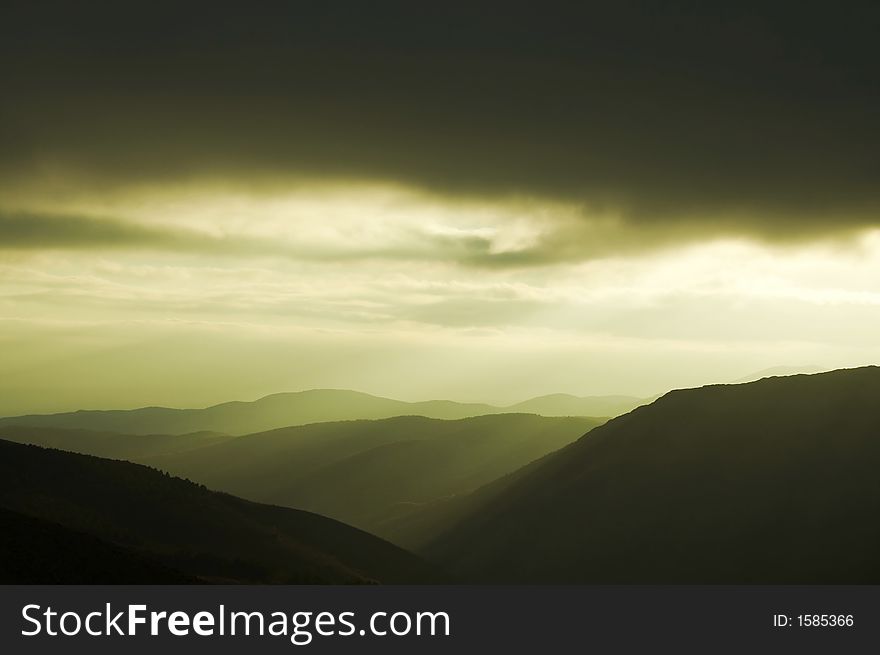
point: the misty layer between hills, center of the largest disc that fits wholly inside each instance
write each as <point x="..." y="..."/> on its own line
<point x="366" y="473"/>
<point x="314" y="406"/>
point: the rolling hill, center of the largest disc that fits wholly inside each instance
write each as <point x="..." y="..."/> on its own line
<point x="367" y="472"/>
<point x="301" y="408"/>
<point x="111" y="445"/>
<point x="183" y="526"/>
<point x="774" y="481"/>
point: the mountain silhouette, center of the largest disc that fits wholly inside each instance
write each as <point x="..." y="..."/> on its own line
<point x="775" y="481"/>
<point x="779" y="371"/>
<point x="301" y="408"/>
<point x="183" y="526"/>
<point x="367" y="472"/>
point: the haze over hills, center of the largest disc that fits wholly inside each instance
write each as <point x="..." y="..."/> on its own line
<point x="769" y="482"/>
<point x="773" y="481"/>
<point x="301" y="408"/>
<point x="183" y="526"/>
<point x="364" y="472"/>
<point x="112" y="445"/>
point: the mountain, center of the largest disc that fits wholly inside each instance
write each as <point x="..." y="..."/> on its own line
<point x="562" y="404"/>
<point x="33" y="551"/>
<point x="271" y="412"/>
<point x="301" y="408"/>
<point x="367" y="472"/>
<point x="183" y="526"/>
<point x="110" y="444"/>
<point x="771" y="482"/>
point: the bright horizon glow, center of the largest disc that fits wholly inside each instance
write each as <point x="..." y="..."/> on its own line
<point x="209" y="292"/>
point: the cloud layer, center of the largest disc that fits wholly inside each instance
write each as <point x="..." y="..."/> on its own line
<point x="756" y="118"/>
<point x="202" y="201"/>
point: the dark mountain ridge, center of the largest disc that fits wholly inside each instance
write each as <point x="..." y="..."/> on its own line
<point x="775" y="481"/>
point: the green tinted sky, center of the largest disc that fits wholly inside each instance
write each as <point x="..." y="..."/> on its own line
<point x="204" y="203"/>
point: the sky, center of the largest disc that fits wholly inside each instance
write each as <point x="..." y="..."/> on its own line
<point x="201" y="202"/>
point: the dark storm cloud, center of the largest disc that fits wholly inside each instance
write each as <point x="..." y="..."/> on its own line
<point x="755" y="117"/>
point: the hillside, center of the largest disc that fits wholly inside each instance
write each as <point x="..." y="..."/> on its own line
<point x="367" y="472"/>
<point x="769" y="482"/>
<point x="185" y="527"/>
<point x="301" y="408"/>
<point x="110" y="444"/>
<point x="33" y="551"/>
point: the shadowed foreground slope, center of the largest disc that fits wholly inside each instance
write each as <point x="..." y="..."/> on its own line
<point x="770" y="482"/>
<point x="33" y="551"/>
<point x="183" y="526"/>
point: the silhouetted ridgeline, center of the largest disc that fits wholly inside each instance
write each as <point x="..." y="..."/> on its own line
<point x="183" y="526"/>
<point x="775" y="481"/>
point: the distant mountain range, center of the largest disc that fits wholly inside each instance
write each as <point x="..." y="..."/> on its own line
<point x="301" y="408"/>
<point x="775" y="481"/>
<point x="136" y="519"/>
